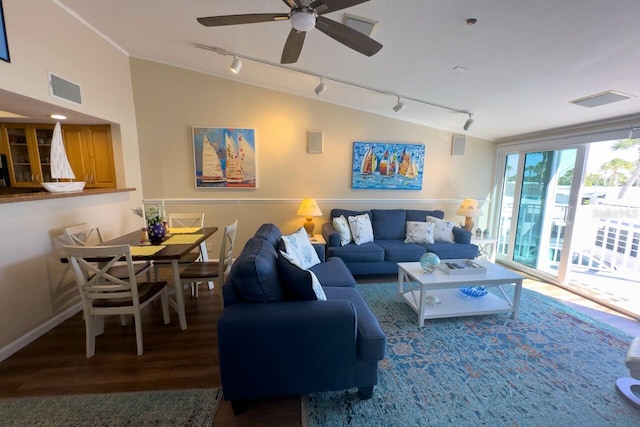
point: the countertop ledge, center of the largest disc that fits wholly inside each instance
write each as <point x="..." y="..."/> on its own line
<point x="45" y="195"/>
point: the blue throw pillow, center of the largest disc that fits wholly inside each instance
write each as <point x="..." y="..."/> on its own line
<point x="255" y="274"/>
<point x="298" y="284"/>
<point x="388" y="224"/>
<point x="420" y="215"/>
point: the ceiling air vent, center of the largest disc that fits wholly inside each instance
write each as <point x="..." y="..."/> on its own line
<point x="64" y="89"/>
<point x="358" y="23"/>
<point x="601" y="98"/>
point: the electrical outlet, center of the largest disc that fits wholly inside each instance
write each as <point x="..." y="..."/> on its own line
<point x="209" y="247"/>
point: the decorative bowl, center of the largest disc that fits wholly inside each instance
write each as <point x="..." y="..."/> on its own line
<point x="429" y="262"/>
<point x="474" y="291"/>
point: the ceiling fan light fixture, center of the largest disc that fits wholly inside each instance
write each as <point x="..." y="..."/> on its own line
<point x="468" y="123"/>
<point x="303" y="19"/>
<point x="236" y="65"/>
<point x="399" y="106"/>
<point x="321" y="88"/>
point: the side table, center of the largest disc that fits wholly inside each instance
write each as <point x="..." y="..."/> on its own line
<point x="319" y="243"/>
<point x="487" y="247"/>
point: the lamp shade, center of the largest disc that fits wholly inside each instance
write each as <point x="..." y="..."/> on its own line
<point x="469" y="208"/>
<point x="309" y="207"/>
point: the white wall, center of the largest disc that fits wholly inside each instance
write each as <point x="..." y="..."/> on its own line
<point x="44" y="38"/>
<point x="170" y="101"/>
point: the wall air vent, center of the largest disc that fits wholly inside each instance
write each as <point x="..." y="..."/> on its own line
<point x="601" y="98"/>
<point x="64" y="89"/>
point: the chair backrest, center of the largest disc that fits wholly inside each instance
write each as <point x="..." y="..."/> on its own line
<point x="83" y="234"/>
<point x="226" y="250"/>
<point x="186" y="220"/>
<point x="95" y="283"/>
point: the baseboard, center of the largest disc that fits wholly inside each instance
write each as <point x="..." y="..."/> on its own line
<point x="39" y="331"/>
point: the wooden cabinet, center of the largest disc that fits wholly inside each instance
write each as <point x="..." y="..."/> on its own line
<point x="90" y="154"/>
<point x="28" y="150"/>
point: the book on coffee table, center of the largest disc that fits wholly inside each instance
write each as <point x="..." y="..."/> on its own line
<point x="462" y="266"/>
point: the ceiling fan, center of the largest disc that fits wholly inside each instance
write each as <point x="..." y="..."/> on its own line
<point x="304" y="16"/>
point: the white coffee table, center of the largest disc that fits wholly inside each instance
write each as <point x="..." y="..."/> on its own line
<point x="437" y="295"/>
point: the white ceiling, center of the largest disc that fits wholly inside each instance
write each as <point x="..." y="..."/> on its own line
<point x="525" y="59"/>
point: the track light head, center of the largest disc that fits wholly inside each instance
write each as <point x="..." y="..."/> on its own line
<point x="236" y="65"/>
<point x="399" y="106"/>
<point x="468" y="123"/>
<point x="321" y="88"/>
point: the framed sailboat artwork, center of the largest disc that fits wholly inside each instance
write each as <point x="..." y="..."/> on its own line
<point x="224" y="157"/>
<point x="4" y="45"/>
<point x="387" y="165"/>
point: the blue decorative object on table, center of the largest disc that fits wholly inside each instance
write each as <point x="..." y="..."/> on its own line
<point x="429" y="262"/>
<point x="474" y="291"/>
<point x="156" y="232"/>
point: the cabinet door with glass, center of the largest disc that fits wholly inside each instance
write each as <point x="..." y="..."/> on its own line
<point x="28" y="152"/>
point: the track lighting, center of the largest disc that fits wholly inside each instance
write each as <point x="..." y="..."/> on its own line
<point x="399" y="106"/>
<point x="468" y="123"/>
<point x="321" y="88"/>
<point x="236" y="65"/>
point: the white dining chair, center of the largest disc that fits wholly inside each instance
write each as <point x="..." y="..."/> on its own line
<point x="183" y="220"/>
<point x="104" y="294"/>
<point x="86" y="234"/>
<point x="198" y="272"/>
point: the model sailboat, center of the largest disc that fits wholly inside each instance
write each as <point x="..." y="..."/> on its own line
<point x="211" y="167"/>
<point x="60" y="167"/>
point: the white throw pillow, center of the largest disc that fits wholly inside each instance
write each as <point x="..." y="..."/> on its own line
<point x="419" y="232"/>
<point x="299" y="248"/>
<point x="442" y="230"/>
<point x="361" y="229"/>
<point x="342" y="227"/>
<point x="317" y="287"/>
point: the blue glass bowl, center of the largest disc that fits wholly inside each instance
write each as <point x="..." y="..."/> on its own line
<point x="474" y="291"/>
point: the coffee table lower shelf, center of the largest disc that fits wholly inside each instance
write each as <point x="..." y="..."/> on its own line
<point x="453" y="303"/>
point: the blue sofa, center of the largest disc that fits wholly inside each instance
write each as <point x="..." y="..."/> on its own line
<point x="388" y="248"/>
<point x="270" y="345"/>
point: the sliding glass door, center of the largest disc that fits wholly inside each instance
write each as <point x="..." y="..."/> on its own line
<point x="535" y="219"/>
<point x="569" y="213"/>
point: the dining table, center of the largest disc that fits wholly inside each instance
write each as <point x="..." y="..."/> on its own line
<point x="173" y="247"/>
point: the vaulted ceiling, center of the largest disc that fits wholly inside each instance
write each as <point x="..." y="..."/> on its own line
<point x="515" y="70"/>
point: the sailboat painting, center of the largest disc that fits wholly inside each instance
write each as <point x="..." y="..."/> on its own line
<point x="224" y="157"/>
<point x="60" y="167"/>
<point x="387" y="166"/>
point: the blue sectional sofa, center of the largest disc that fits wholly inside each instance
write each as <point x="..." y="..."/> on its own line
<point x="388" y="248"/>
<point x="271" y="345"/>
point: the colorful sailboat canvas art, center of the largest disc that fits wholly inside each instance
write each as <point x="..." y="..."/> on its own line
<point x="387" y="165"/>
<point x="224" y="157"/>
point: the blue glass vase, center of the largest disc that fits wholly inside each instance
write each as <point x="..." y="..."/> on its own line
<point x="156" y="232"/>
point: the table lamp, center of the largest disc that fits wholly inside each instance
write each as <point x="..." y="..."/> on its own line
<point x="468" y="209"/>
<point x="309" y="208"/>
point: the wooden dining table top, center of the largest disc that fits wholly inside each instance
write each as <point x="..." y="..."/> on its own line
<point x="169" y="252"/>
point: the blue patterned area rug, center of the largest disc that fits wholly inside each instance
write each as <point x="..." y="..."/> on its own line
<point x="553" y="366"/>
<point x="149" y="408"/>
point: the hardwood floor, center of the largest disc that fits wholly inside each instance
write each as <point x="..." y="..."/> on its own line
<point x="55" y="364"/>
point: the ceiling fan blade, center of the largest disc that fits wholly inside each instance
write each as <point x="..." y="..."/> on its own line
<point x="327" y="6"/>
<point x="348" y="36"/>
<point x="293" y="47"/>
<point x="252" y="18"/>
<point x="293" y="4"/>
